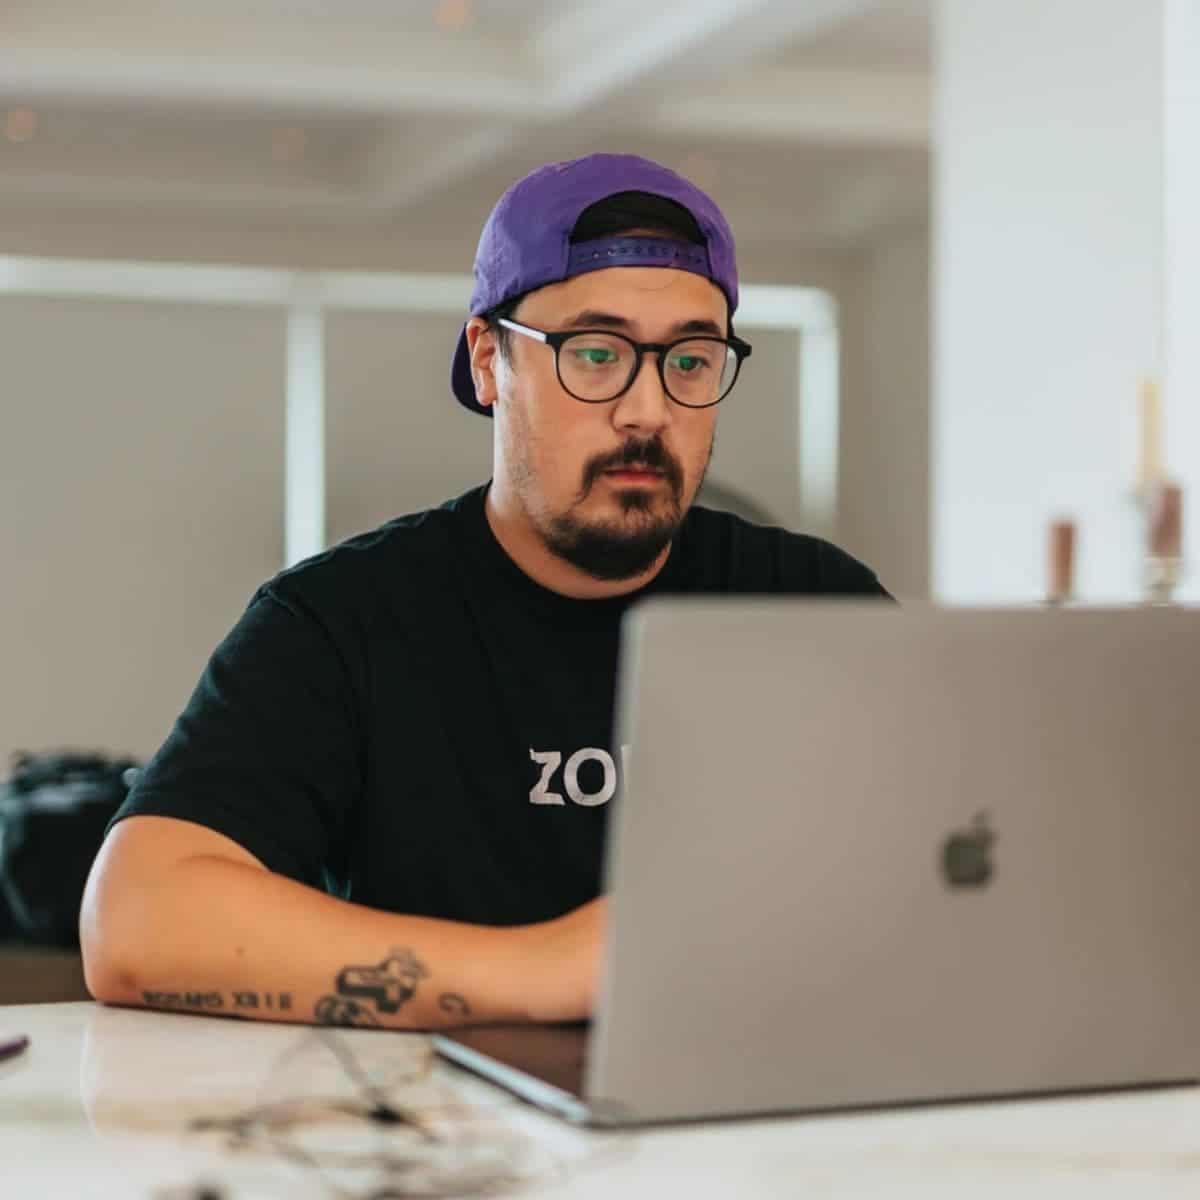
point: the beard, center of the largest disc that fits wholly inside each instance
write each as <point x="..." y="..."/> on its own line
<point x="612" y="550"/>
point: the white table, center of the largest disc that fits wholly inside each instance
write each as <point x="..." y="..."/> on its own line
<point x="100" y="1106"/>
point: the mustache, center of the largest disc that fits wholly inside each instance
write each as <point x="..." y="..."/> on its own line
<point x="652" y="454"/>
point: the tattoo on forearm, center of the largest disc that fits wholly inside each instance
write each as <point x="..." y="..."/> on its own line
<point x="362" y="991"/>
<point x="454" y="1004"/>
<point x="339" y="1010"/>
<point x="263" y="1001"/>
<point x="238" y="1002"/>
<point x="202" y="1000"/>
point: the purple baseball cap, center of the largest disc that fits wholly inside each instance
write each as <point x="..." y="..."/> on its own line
<point x="526" y="242"/>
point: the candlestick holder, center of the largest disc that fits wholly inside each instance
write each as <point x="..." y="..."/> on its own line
<point x="1162" y="579"/>
<point x="1164" y="557"/>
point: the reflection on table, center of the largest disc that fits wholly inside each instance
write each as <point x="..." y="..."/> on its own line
<point x="124" y="1103"/>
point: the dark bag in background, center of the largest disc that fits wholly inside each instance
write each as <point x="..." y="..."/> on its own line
<point x="53" y="813"/>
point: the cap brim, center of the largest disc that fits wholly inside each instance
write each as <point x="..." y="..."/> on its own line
<point x="461" y="382"/>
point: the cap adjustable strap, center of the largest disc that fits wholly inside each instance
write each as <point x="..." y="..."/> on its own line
<point x="638" y="252"/>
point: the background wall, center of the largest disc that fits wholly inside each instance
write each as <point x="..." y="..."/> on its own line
<point x="1181" y="253"/>
<point x="1049" y="288"/>
<point x="141" y="483"/>
<point x="359" y="136"/>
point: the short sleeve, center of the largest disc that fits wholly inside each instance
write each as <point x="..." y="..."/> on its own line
<point x="268" y="749"/>
<point x="843" y="574"/>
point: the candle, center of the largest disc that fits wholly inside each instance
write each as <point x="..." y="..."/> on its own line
<point x="1150" y="463"/>
<point x="1062" y="561"/>
<point x="1166" y="522"/>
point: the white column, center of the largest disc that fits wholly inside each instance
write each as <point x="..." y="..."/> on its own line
<point x="1182" y="270"/>
<point x="304" y="455"/>
<point x="1049" y="288"/>
<point x="818" y="416"/>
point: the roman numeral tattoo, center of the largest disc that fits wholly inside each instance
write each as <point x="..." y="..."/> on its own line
<point x="236" y="1002"/>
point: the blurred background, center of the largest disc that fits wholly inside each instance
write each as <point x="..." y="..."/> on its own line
<point x="235" y="242"/>
<point x="144" y="446"/>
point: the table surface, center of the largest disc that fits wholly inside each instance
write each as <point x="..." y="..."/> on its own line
<point x="113" y="1102"/>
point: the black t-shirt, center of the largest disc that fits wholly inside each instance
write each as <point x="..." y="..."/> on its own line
<point x="413" y="723"/>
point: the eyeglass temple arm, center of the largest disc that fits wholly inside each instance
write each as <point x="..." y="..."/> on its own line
<point x="516" y="326"/>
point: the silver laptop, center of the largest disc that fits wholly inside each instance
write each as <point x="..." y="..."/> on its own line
<point x="866" y="856"/>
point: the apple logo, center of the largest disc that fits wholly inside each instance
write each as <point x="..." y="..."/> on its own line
<point x="966" y="855"/>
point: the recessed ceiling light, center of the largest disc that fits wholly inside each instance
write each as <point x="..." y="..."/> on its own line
<point x="20" y="124"/>
<point x="452" y="15"/>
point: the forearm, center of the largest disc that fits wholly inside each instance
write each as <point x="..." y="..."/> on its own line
<point x="216" y="936"/>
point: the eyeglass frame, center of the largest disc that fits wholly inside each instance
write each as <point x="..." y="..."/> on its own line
<point x="555" y="339"/>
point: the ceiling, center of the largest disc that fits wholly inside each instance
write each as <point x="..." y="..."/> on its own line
<point x="807" y="119"/>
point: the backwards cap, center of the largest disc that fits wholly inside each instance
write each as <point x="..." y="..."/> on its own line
<point x="526" y="242"/>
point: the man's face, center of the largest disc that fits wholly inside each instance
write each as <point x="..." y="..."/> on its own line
<point x="557" y="454"/>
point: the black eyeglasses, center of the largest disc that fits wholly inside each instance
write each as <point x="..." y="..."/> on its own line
<point x="597" y="365"/>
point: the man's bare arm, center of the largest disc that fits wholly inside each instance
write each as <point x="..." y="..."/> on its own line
<point x="177" y="916"/>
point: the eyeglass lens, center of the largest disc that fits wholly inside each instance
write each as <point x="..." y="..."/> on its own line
<point x="599" y="366"/>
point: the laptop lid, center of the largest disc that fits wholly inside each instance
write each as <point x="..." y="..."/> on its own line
<point x="865" y="855"/>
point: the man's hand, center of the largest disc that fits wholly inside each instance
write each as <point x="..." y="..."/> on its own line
<point x="564" y="957"/>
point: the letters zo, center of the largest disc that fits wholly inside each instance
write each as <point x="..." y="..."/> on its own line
<point x="558" y="777"/>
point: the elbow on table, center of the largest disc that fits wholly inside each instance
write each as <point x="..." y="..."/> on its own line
<point x="110" y="958"/>
<point x="108" y="982"/>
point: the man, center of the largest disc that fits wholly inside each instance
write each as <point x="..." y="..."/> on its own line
<point x="385" y="802"/>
